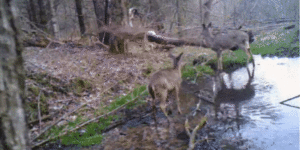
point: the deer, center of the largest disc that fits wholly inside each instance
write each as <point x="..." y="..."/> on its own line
<point x="134" y="15"/>
<point x="163" y="82"/>
<point x="230" y="39"/>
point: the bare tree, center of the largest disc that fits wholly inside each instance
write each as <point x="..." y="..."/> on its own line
<point x="42" y="13"/>
<point x="31" y="12"/>
<point x="13" y="130"/>
<point x="124" y="11"/>
<point x="234" y="14"/>
<point x="207" y="11"/>
<point x="54" y="20"/>
<point x="178" y="18"/>
<point x="99" y="12"/>
<point x="80" y="16"/>
<point x="201" y="11"/>
<point x="106" y="14"/>
<point x="224" y="12"/>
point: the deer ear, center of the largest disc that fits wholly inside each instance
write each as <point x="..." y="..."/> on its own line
<point x="240" y="27"/>
<point x="209" y="25"/>
<point x="203" y="25"/>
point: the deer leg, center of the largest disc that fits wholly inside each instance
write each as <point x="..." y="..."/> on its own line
<point x="219" y="60"/>
<point x="178" y="101"/>
<point x="251" y="56"/>
<point x="230" y="80"/>
<point x="154" y="112"/>
<point x="144" y="41"/>
<point x="163" y="105"/>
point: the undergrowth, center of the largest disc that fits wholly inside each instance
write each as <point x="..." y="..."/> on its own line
<point x="93" y="132"/>
<point x="190" y="72"/>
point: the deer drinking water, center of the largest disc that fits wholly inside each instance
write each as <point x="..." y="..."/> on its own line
<point x="164" y="81"/>
<point x="231" y="39"/>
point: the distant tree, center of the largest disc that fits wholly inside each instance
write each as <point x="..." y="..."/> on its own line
<point x="13" y="130"/>
<point x="179" y="22"/>
<point x="80" y="16"/>
<point x="32" y="12"/>
<point x="106" y="14"/>
<point x="207" y="12"/>
<point x="99" y="11"/>
<point x="201" y="11"/>
<point x="54" y="20"/>
<point x="42" y="13"/>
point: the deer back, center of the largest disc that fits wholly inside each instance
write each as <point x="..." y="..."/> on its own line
<point x="168" y="78"/>
<point x="231" y="39"/>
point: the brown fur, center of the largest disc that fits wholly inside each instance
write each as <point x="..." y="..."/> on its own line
<point x="164" y="81"/>
<point x="231" y="39"/>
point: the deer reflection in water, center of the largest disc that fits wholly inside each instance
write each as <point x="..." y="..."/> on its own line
<point x="229" y="95"/>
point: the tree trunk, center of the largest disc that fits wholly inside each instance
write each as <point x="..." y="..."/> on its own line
<point x="178" y="18"/>
<point x="106" y="14"/>
<point x="54" y="21"/>
<point x="32" y="12"/>
<point x="80" y="16"/>
<point x="234" y="14"/>
<point x="99" y="12"/>
<point x="104" y="35"/>
<point x="13" y="130"/>
<point x="42" y="14"/>
<point x="201" y="12"/>
<point x="224" y="13"/>
<point x="207" y="11"/>
<point x="125" y="15"/>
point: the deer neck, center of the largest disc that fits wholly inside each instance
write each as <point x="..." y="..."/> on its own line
<point x="208" y="41"/>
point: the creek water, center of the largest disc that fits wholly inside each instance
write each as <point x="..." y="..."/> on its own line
<point x="252" y="115"/>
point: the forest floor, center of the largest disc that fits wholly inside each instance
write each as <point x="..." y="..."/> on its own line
<point x="87" y="80"/>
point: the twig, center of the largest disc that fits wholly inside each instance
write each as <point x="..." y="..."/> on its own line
<point x="39" y="112"/>
<point x="47" y="128"/>
<point x="193" y="134"/>
<point x="49" y="44"/>
<point x="34" y="121"/>
<point x="87" y="122"/>
<point x="62" y="101"/>
<point x="104" y="45"/>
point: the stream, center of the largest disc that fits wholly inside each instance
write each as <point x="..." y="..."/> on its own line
<point x="249" y="114"/>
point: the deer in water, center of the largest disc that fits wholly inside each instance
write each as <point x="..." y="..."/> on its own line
<point x="164" y="81"/>
<point x="230" y="39"/>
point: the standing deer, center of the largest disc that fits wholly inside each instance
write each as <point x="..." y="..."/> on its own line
<point x="164" y="81"/>
<point x="230" y="39"/>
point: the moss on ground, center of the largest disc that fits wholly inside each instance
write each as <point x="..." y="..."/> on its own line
<point x="31" y="107"/>
<point x="93" y="132"/>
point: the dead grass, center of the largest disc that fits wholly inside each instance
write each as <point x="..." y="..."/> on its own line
<point x="103" y="70"/>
